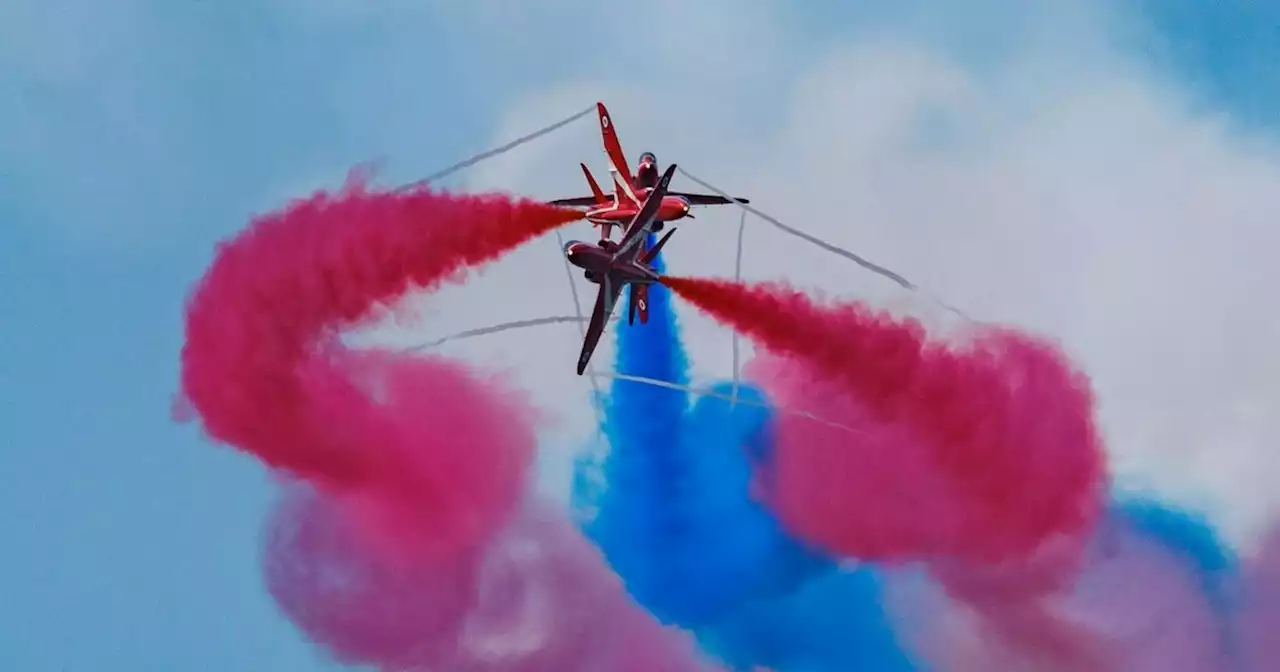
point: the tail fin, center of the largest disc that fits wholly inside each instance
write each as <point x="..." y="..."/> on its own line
<point x="612" y="148"/>
<point x="639" y="302"/>
<point x="653" y="252"/>
<point x="595" y="188"/>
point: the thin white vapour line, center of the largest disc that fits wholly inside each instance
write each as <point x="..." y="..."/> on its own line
<point x="835" y="249"/>
<point x="737" y="277"/>
<point x="706" y="392"/>
<point x="582" y="331"/>
<point x="873" y="267"/>
<point x="467" y="163"/>
<point x="596" y="455"/>
<point x="504" y="326"/>
<point x="522" y="324"/>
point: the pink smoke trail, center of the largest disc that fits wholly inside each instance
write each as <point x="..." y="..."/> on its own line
<point x="538" y="598"/>
<point x="1134" y="605"/>
<point x="428" y="456"/>
<point x="1260" y="613"/>
<point x="978" y="452"/>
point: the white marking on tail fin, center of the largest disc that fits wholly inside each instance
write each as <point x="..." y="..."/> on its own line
<point x="622" y="191"/>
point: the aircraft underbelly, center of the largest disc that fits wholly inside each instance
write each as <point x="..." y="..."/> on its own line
<point x="613" y="216"/>
<point x="591" y="262"/>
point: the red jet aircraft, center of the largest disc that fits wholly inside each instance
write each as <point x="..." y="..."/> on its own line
<point x="630" y="192"/>
<point x="614" y="267"/>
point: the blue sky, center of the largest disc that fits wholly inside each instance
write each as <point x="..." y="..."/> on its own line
<point x="133" y="139"/>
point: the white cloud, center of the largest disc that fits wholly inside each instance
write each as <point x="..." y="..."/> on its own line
<point x="1061" y="191"/>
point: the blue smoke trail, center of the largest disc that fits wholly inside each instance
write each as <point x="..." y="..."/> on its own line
<point x="835" y="622"/>
<point x="677" y="523"/>
<point x="642" y="424"/>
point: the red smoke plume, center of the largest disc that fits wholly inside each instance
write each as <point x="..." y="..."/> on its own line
<point x="263" y="366"/>
<point x="989" y="447"/>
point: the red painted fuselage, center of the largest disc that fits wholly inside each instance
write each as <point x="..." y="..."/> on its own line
<point x="597" y="261"/>
<point x="672" y="209"/>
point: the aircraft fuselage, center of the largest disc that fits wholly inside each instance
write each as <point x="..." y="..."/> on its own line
<point x="597" y="261"/>
<point x="673" y="207"/>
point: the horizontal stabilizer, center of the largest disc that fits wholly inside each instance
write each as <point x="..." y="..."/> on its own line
<point x="595" y="188"/>
<point x="576" y="202"/>
<point x="597" y="197"/>
<point x="653" y="252"/>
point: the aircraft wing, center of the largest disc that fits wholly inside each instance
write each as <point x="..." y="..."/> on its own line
<point x="576" y="202"/>
<point x="606" y="299"/>
<point x="639" y="226"/>
<point x="708" y="199"/>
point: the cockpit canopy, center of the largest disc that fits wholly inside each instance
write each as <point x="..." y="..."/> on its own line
<point x="647" y="173"/>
